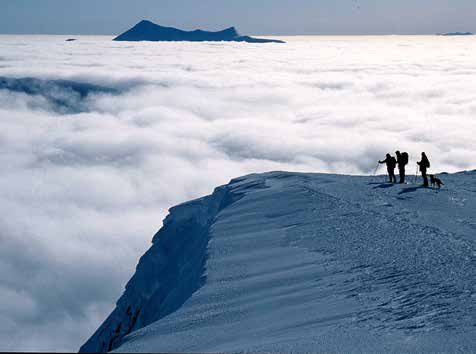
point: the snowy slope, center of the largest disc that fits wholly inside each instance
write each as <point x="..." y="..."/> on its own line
<point x="306" y="262"/>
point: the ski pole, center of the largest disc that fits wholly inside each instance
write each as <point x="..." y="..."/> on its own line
<point x="376" y="168"/>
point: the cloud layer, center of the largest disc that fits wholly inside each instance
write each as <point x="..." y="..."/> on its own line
<point x="86" y="178"/>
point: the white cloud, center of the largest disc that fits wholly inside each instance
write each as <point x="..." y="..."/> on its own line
<point x="85" y="187"/>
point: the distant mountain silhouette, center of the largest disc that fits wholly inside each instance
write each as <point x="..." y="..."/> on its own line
<point x="149" y="31"/>
<point x="456" y="34"/>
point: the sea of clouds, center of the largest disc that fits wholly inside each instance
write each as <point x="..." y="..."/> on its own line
<point x="99" y="138"/>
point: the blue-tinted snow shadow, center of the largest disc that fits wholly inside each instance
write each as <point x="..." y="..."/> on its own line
<point x="410" y="189"/>
<point x="384" y="185"/>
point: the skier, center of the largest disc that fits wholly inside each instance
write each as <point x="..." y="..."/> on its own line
<point x="391" y="163"/>
<point x="402" y="160"/>
<point x="424" y="164"/>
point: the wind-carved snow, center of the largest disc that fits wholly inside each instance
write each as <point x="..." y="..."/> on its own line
<point x="169" y="272"/>
<point x="306" y="262"/>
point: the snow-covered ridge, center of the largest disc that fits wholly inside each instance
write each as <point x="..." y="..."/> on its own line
<point x="167" y="274"/>
<point x="306" y="262"/>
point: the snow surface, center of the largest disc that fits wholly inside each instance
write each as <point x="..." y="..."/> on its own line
<point x="287" y="262"/>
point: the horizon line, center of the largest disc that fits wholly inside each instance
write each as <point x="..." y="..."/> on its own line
<point x="262" y="35"/>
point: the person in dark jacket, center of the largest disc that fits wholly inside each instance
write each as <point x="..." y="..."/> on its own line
<point x="424" y="165"/>
<point x="402" y="160"/>
<point x="391" y="163"/>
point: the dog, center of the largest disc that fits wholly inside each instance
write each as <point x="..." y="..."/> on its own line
<point x="435" y="181"/>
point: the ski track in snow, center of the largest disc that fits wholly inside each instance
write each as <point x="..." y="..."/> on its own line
<point x="314" y="262"/>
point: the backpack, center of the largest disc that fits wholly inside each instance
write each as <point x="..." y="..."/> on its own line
<point x="405" y="158"/>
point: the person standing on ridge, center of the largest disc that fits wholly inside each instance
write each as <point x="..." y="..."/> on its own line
<point x="402" y="160"/>
<point x="391" y="163"/>
<point x="424" y="164"/>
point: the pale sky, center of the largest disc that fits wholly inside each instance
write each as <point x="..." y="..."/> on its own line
<point x="264" y="17"/>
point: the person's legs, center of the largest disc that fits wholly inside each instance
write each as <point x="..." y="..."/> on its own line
<point x="401" y="172"/>
<point x="425" y="178"/>
<point x="391" y="173"/>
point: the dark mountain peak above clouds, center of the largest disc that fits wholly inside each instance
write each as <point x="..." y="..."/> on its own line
<point x="148" y="31"/>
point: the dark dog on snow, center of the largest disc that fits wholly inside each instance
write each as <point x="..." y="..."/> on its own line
<point x="435" y="181"/>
